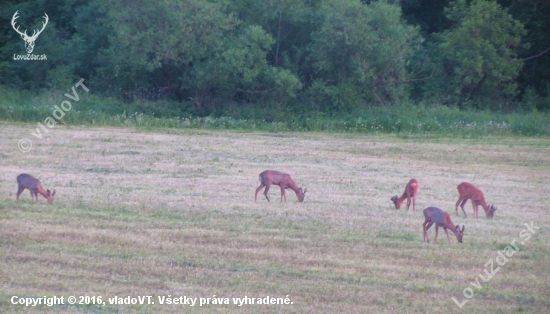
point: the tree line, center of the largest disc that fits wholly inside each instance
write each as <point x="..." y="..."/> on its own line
<point x="332" y="56"/>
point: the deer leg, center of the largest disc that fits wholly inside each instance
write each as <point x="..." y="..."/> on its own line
<point x="267" y="186"/>
<point x="283" y="194"/>
<point x="408" y="201"/>
<point x="427" y="225"/>
<point x="460" y="199"/>
<point x="436" y="231"/>
<point x="476" y="208"/>
<point x="258" y="190"/>
<point x="414" y="203"/>
<point x="19" y="191"/>
<point x="424" y="231"/>
<point x="428" y="228"/>
<point x="447" y="232"/>
<point x="462" y="206"/>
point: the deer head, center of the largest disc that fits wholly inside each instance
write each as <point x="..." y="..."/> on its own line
<point x="50" y="196"/>
<point x="459" y="233"/>
<point x="302" y="195"/>
<point x="491" y="211"/>
<point x="395" y="201"/>
<point x="29" y="40"/>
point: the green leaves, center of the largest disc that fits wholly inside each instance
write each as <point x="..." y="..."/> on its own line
<point x="480" y="52"/>
<point x="196" y="48"/>
<point x="362" y="51"/>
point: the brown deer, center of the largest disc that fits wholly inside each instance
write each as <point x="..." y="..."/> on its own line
<point x="441" y="219"/>
<point x="26" y="181"/>
<point x="467" y="191"/>
<point x="283" y="180"/>
<point x="411" y="190"/>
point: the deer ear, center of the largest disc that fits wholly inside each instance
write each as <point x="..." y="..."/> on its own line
<point x="49" y="192"/>
<point x="53" y="193"/>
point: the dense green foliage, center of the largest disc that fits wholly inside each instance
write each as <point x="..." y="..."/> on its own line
<point x="479" y="62"/>
<point x="280" y="59"/>
<point x="360" y="53"/>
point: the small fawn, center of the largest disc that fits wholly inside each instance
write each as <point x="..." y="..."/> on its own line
<point x="441" y="219"/>
<point x="26" y="181"/>
<point x="283" y="180"/>
<point x="411" y="191"/>
<point x="468" y="191"/>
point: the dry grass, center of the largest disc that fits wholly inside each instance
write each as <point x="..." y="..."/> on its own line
<point x="173" y="213"/>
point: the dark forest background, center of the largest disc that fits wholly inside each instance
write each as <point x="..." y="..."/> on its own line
<point x="249" y="58"/>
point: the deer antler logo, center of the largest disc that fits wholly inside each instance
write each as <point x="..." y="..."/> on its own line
<point x="29" y="40"/>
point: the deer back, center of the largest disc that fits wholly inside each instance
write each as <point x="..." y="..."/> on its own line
<point x="435" y="214"/>
<point x="470" y="191"/>
<point x="27" y="181"/>
<point x="277" y="178"/>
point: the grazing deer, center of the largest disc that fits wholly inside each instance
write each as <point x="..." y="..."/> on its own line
<point x="283" y="180"/>
<point x="26" y="181"/>
<point x="411" y="190"/>
<point x="441" y="219"/>
<point x="468" y="191"/>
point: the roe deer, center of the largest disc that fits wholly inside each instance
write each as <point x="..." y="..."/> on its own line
<point x="26" y="181"/>
<point x="441" y="219"/>
<point x="411" y="190"/>
<point x="283" y="180"/>
<point x="467" y="191"/>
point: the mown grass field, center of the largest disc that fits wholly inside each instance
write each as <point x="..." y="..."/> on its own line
<point x="172" y="212"/>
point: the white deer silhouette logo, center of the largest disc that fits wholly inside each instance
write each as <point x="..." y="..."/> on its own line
<point x="29" y="40"/>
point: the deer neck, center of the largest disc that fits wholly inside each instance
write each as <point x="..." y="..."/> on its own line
<point x="401" y="199"/>
<point x="40" y="189"/>
<point x="483" y="204"/>
<point x="449" y="224"/>
<point x="294" y="187"/>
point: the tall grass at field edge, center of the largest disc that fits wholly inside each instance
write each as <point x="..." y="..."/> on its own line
<point x="92" y="110"/>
